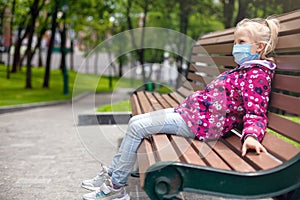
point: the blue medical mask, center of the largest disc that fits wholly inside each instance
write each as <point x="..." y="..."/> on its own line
<point x="241" y="53"/>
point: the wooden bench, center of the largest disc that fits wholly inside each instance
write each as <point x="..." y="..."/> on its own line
<point x="169" y="164"/>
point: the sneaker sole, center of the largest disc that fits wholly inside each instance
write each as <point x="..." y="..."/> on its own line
<point x="126" y="197"/>
<point x="90" y="188"/>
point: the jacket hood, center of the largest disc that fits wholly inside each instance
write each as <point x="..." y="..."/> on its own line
<point x="268" y="64"/>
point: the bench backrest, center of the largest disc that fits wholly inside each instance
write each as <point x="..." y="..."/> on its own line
<point x="212" y="55"/>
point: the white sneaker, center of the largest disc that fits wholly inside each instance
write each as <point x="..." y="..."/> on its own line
<point x="95" y="183"/>
<point x="107" y="192"/>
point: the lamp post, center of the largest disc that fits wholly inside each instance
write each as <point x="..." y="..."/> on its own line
<point x="72" y="35"/>
<point x="65" y="8"/>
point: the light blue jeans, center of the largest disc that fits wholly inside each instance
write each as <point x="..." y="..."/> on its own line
<point x="139" y="127"/>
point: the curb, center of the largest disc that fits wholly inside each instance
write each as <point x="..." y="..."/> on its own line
<point x="104" y="118"/>
<point x="8" y="109"/>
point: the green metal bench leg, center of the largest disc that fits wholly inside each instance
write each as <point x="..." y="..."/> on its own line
<point x="164" y="180"/>
<point x="163" y="183"/>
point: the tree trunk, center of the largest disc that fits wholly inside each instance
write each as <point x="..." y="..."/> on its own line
<point x="17" y="54"/>
<point x="242" y="12"/>
<point x="185" y="10"/>
<point x="34" y="15"/>
<point x="140" y="50"/>
<point x="228" y="8"/>
<point x="50" y="46"/>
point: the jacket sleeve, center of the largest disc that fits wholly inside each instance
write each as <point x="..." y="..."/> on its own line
<point x="255" y="94"/>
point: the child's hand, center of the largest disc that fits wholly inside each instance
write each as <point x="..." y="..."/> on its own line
<point x="252" y="143"/>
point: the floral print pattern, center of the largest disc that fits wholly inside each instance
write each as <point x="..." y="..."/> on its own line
<point x="238" y="97"/>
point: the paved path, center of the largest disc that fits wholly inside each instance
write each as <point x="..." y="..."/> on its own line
<point x="45" y="155"/>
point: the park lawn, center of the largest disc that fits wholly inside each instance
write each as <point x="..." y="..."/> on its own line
<point x="13" y="92"/>
<point x="122" y="106"/>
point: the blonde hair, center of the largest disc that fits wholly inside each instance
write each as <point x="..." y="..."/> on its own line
<point x="264" y="31"/>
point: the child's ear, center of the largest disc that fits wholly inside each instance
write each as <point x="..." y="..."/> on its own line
<point x="260" y="47"/>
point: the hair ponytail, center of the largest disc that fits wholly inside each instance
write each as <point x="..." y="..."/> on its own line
<point x="273" y="25"/>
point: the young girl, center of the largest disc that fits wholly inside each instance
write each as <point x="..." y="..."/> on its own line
<point x="236" y="97"/>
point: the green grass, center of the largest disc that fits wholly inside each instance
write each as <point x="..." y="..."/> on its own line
<point x="13" y="92"/>
<point x="122" y="106"/>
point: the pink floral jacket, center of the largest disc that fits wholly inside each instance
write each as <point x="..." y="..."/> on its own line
<point x="238" y="97"/>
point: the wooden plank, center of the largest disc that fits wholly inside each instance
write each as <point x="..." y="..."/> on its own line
<point x="146" y="158"/>
<point x="185" y="151"/>
<point x="162" y="101"/>
<point x="284" y="126"/>
<point x="219" y="33"/>
<point x="212" y="71"/>
<point x="197" y="87"/>
<point x="201" y="79"/>
<point x="135" y="107"/>
<point x="288" y="42"/>
<point x="287" y="82"/>
<point x="187" y="85"/>
<point x="263" y="161"/>
<point x="164" y="148"/>
<point x="176" y="96"/>
<point x="144" y="103"/>
<point x="230" y="157"/>
<point x="213" y="49"/>
<point x="282" y="149"/>
<point x="285" y="102"/>
<point x="185" y="92"/>
<point x="288" y="62"/>
<point x="170" y="100"/>
<point x="217" y="40"/>
<point x="214" y="60"/>
<point x="289" y="27"/>
<point x="289" y="16"/>
<point x="209" y="155"/>
<point x="155" y="105"/>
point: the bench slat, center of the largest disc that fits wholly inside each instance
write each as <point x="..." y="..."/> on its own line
<point x="209" y="155"/>
<point x="288" y="43"/>
<point x="262" y="162"/>
<point x="289" y="16"/>
<point x="290" y="27"/>
<point x="213" y="49"/>
<point x="213" y="71"/>
<point x="155" y="105"/>
<point x="186" y="151"/>
<point x="145" y="104"/>
<point x="162" y="101"/>
<point x="201" y="79"/>
<point x="279" y="147"/>
<point x="284" y="126"/>
<point x="285" y="102"/>
<point x="145" y="158"/>
<point x="288" y="62"/>
<point x="184" y="91"/>
<point x="231" y="157"/>
<point x="164" y="149"/>
<point x="197" y="87"/>
<point x="135" y="107"/>
<point x="177" y="96"/>
<point x="170" y="100"/>
<point x="286" y="82"/>
<point x="215" y="60"/>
